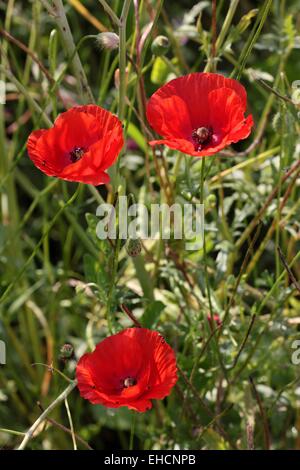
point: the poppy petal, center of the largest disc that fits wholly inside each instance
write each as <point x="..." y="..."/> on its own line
<point x="185" y="104"/>
<point x="83" y="143"/>
<point x="137" y="355"/>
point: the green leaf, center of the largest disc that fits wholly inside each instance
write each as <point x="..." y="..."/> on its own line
<point x="152" y="313"/>
<point x="245" y="21"/>
<point x="137" y="136"/>
<point x="159" y="71"/>
<point x="95" y="273"/>
<point x="241" y="27"/>
<point x="289" y="30"/>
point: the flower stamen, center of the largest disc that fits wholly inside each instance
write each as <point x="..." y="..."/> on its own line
<point x="129" y="382"/>
<point x="201" y="136"/>
<point x="76" y="154"/>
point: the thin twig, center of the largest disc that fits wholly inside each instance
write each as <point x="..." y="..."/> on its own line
<point x="253" y="318"/>
<point x="24" y="48"/>
<point x="57" y="10"/>
<point x="275" y="92"/>
<point x="71" y="424"/>
<point x="110" y="12"/>
<point x="203" y="349"/>
<point x="30" y="433"/>
<point x="250" y="435"/>
<point x="130" y="315"/>
<point x="289" y="271"/>
<point x="245" y="261"/>
<point x="215" y="418"/>
<point x="214" y="34"/>
<point x="262" y="413"/>
<point x="263" y="209"/>
<point x="64" y="428"/>
<point x="221" y="430"/>
<point x="273" y="225"/>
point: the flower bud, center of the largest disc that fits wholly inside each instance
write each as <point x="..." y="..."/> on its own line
<point x="134" y="247"/>
<point x="108" y="40"/>
<point x="66" y="352"/>
<point x="160" y="45"/>
<point x="211" y="200"/>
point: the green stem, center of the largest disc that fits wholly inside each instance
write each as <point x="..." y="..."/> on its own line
<point x="11" y="431"/>
<point x="253" y="37"/>
<point x="227" y="23"/>
<point x="132" y="430"/>
<point x="112" y="285"/>
<point x="114" y="171"/>
<point x="257" y="313"/>
<point x="110" y="12"/>
<point x="204" y="241"/>
<point x="215" y="342"/>
<point x="122" y="58"/>
<point x="30" y="433"/>
<point x="60" y="17"/>
<point x="35" y="251"/>
<point x="27" y="95"/>
<point x="122" y="86"/>
<point x="71" y="424"/>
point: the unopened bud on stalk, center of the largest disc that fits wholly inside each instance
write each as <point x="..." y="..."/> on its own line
<point x="108" y="40"/>
<point x="160" y="46"/>
<point x="134" y="247"/>
<point x="211" y="200"/>
<point x="66" y="352"/>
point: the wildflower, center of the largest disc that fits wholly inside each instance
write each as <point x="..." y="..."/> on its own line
<point x="128" y="369"/>
<point x="199" y="114"/>
<point x="108" y="40"/>
<point x="83" y="143"/>
<point x="66" y="352"/>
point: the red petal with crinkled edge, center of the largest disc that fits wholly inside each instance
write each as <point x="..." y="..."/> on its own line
<point x="91" y="128"/>
<point x="137" y="353"/>
<point x="196" y="100"/>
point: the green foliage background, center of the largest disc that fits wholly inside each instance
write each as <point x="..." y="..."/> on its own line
<point x="56" y="278"/>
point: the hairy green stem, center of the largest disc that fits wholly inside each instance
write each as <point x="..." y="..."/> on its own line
<point x="57" y="10"/>
<point x="30" y="433"/>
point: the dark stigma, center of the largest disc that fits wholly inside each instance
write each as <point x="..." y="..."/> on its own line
<point x="76" y="154"/>
<point x="201" y="136"/>
<point x="129" y="382"/>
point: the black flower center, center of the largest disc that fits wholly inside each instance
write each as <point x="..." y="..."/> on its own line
<point x="129" y="382"/>
<point x="76" y="154"/>
<point x="201" y="137"/>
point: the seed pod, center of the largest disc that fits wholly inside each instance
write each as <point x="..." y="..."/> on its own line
<point x="160" y="46"/>
<point x="66" y="352"/>
<point x="108" y="40"/>
<point x="134" y="247"/>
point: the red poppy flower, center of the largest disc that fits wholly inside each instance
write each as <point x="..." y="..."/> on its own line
<point x="128" y="369"/>
<point x="83" y="143"/>
<point x="199" y="114"/>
